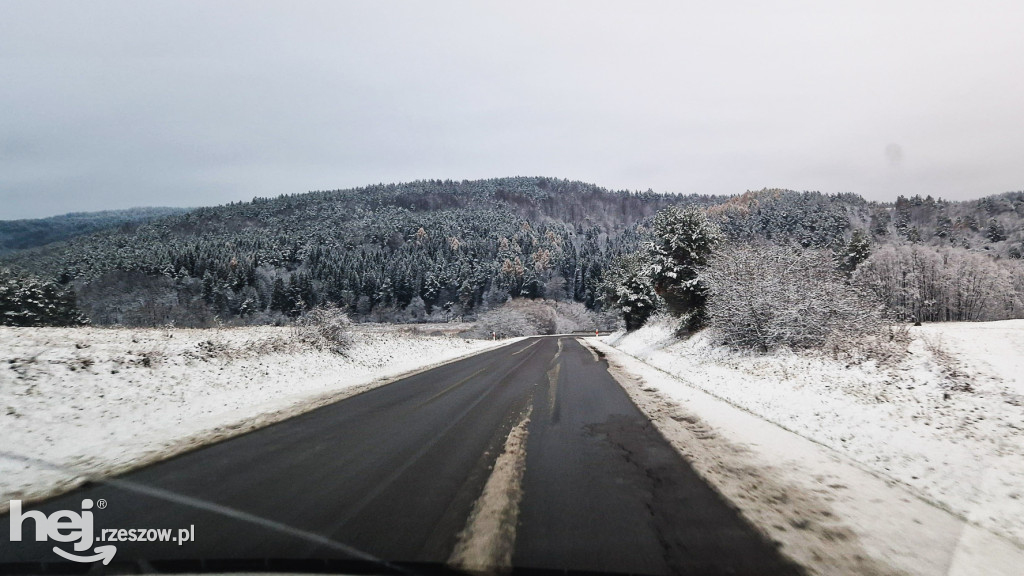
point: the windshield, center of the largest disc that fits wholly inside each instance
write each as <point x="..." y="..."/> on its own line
<point x="573" y="287"/>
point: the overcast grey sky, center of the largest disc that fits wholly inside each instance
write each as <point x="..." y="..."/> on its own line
<point x="118" y="104"/>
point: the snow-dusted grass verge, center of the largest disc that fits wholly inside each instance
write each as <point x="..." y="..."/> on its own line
<point x="88" y="402"/>
<point x="946" y="420"/>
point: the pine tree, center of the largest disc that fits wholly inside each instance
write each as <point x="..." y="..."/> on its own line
<point x="683" y="241"/>
<point x="854" y="252"/>
<point x="279" y="297"/>
<point x="629" y="286"/>
<point x="29" y="301"/>
<point x="995" y="231"/>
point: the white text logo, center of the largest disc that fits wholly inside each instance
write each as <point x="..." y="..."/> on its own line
<point x="63" y="526"/>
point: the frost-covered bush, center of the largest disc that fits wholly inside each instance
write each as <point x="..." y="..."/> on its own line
<point x="573" y="317"/>
<point x="505" y="322"/>
<point x="324" y="328"/>
<point x="524" y="317"/>
<point x="768" y="297"/>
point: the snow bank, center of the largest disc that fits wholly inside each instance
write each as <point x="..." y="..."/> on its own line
<point x="985" y="349"/>
<point x="830" y="514"/>
<point x="98" y="401"/>
<point x="947" y="419"/>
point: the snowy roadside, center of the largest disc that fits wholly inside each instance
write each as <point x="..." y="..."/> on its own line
<point x="909" y="430"/>
<point x="77" y="402"/>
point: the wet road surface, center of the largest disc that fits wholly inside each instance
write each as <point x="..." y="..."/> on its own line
<point x="394" y="473"/>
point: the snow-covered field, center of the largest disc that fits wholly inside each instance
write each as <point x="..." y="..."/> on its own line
<point x="946" y="419"/>
<point x="94" y="401"/>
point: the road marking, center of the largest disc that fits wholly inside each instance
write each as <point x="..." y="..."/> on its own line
<point x="470" y="377"/>
<point x="527" y="348"/>
<point x="452" y="387"/>
<point x="486" y="544"/>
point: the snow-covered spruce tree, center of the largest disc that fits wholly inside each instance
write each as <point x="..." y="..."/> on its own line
<point x="765" y="297"/>
<point x="995" y="232"/>
<point x="683" y="241"/>
<point x="29" y="301"/>
<point x="851" y="254"/>
<point x="629" y="286"/>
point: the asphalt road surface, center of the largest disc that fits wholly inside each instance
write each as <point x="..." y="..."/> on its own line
<point x="394" y="473"/>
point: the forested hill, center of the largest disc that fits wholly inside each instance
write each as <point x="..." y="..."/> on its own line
<point x="445" y="248"/>
<point x="29" y="233"/>
<point x="993" y="224"/>
<point x="438" y="249"/>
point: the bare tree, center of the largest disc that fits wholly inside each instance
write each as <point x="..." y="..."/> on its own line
<point x="928" y="284"/>
<point x="524" y="317"/>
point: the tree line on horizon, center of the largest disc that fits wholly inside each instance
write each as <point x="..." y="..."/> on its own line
<point x="438" y="250"/>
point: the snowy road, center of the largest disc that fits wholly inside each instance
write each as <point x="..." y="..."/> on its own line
<point x="530" y="455"/>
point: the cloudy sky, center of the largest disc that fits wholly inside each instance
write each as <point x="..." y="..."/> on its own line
<point x="118" y="104"/>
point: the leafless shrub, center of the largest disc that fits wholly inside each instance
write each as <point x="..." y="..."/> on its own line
<point x="272" y="344"/>
<point x="510" y="321"/>
<point x="572" y="317"/>
<point x="324" y="328"/>
<point x="767" y="297"/>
